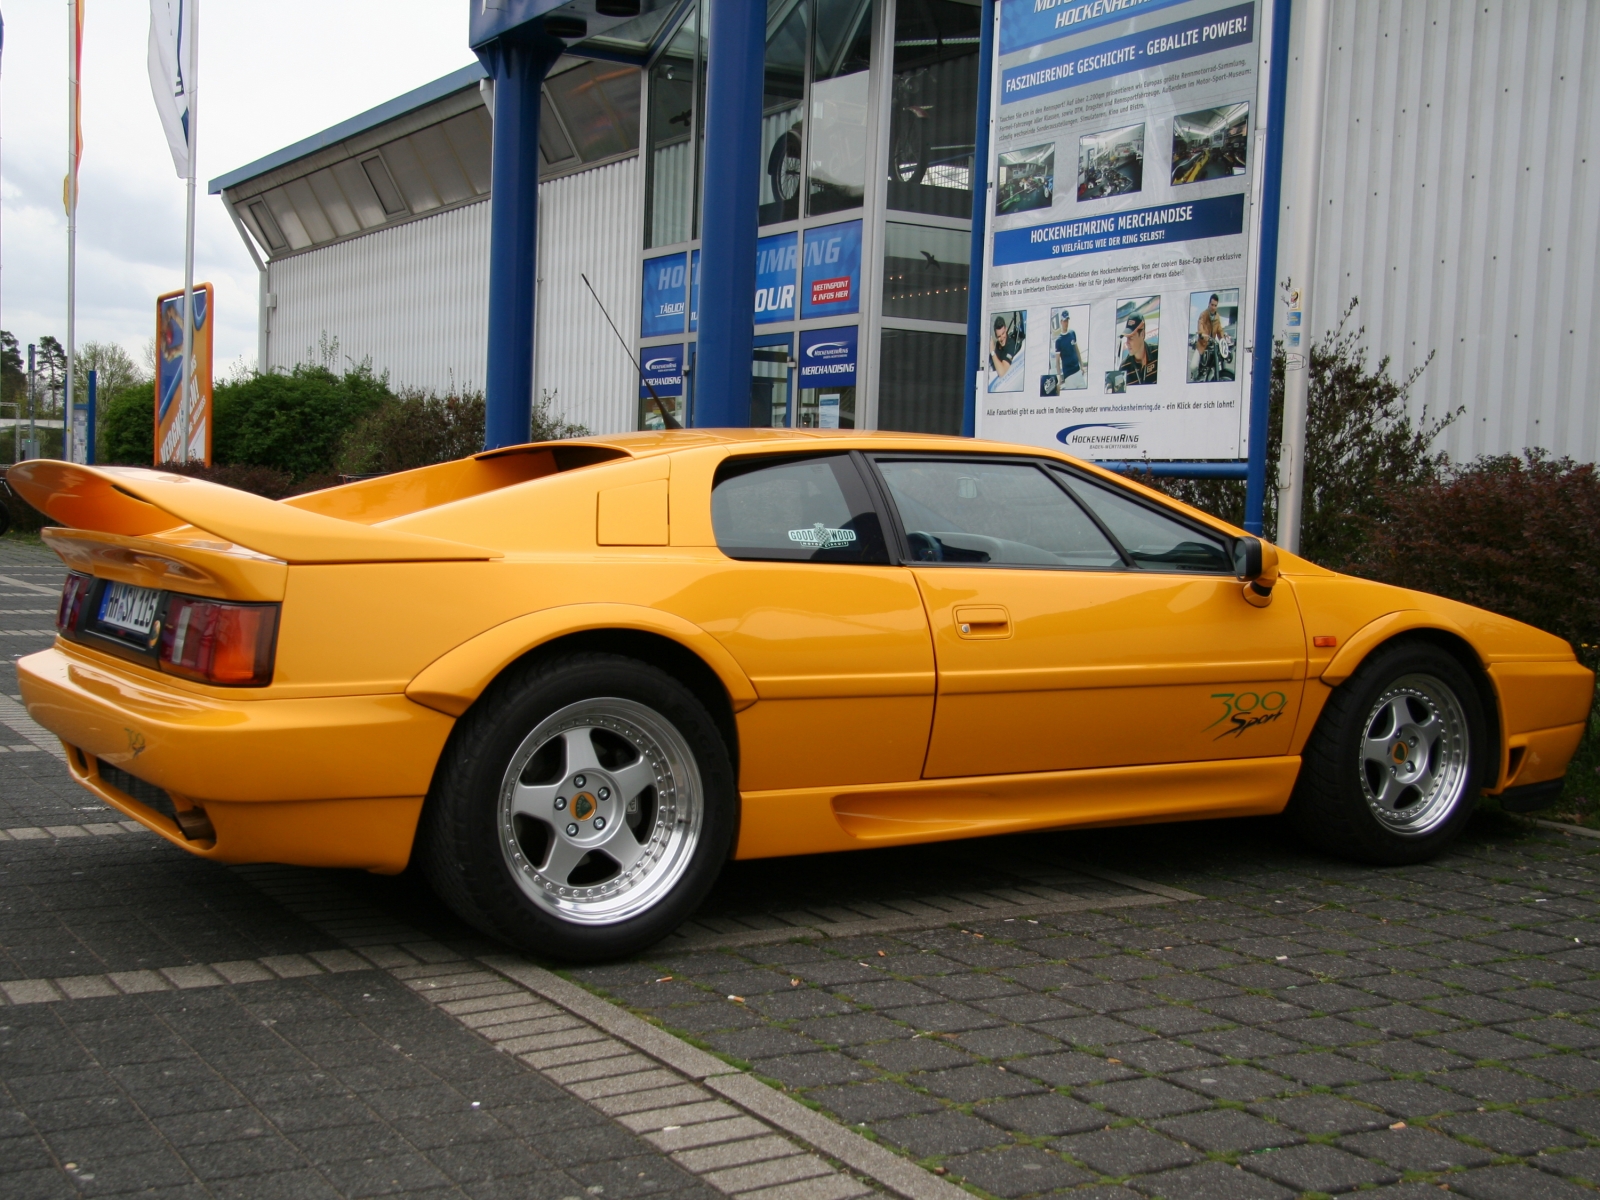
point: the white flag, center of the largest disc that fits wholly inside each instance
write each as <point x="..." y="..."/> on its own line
<point x="171" y="60"/>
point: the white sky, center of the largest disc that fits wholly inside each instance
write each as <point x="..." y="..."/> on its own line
<point x="271" y="73"/>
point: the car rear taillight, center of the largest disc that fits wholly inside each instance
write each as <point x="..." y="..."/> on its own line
<point x="73" y="598"/>
<point x="217" y="642"/>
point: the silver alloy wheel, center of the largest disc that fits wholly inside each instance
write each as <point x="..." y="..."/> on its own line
<point x="1415" y="754"/>
<point x="623" y="817"/>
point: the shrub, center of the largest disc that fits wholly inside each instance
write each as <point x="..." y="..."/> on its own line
<point x="1361" y="448"/>
<point x="263" y="481"/>
<point x="412" y="430"/>
<point x="293" y="422"/>
<point x="127" y="435"/>
<point x="417" y="428"/>
<point x="1518" y="535"/>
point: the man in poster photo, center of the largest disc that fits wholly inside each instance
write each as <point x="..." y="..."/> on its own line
<point x="1069" y="359"/>
<point x="1207" y="331"/>
<point x="1138" y="354"/>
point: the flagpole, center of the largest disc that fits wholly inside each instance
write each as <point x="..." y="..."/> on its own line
<point x="191" y="88"/>
<point x="72" y="224"/>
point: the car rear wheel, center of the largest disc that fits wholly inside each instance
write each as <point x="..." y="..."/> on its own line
<point x="1392" y="769"/>
<point x="583" y="809"/>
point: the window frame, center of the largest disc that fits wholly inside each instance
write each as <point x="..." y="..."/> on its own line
<point x="894" y="527"/>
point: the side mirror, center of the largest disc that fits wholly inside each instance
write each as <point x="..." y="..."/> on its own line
<point x="1256" y="564"/>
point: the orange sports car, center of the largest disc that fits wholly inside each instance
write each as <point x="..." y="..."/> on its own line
<point x="570" y="680"/>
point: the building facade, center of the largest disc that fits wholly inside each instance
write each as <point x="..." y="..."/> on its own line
<point x="1457" y="206"/>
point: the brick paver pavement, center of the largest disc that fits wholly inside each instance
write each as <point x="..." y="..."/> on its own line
<point x="1305" y="1027"/>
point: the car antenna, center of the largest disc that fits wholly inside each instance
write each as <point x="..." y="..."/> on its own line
<point x="667" y="419"/>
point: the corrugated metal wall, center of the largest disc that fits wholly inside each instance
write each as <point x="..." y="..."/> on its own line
<point x="589" y="223"/>
<point x="413" y="298"/>
<point x="1460" y="205"/>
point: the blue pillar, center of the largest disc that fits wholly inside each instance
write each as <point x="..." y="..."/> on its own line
<point x="517" y="61"/>
<point x="89" y="423"/>
<point x="737" y="54"/>
<point x="976" y="334"/>
<point x="1255" y="488"/>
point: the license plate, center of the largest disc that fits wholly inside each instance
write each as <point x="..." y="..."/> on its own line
<point x="127" y="607"/>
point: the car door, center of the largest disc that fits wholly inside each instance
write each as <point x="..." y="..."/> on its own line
<point x="1077" y="625"/>
<point x="834" y="638"/>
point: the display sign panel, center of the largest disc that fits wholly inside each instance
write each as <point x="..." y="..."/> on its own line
<point x="662" y="296"/>
<point x="169" y="376"/>
<point x="828" y="357"/>
<point x="661" y="368"/>
<point x="1120" y="227"/>
<point x="830" y="282"/>
<point x="776" y="259"/>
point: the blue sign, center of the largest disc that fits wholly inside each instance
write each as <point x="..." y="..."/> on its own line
<point x="1197" y="219"/>
<point x="775" y="271"/>
<point x="694" y="291"/>
<point x="661" y="367"/>
<point x="1189" y="38"/>
<point x="663" y="296"/>
<point x="1025" y="23"/>
<point x="830" y="280"/>
<point x="828" y="357"/>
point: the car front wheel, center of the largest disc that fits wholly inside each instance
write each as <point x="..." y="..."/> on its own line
<point x="1392" y="769"/>
<point x="582" y="810"/>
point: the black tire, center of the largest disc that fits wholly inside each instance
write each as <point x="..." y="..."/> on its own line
<point x="497" y="867"/>
<point x="1350" y="802"/>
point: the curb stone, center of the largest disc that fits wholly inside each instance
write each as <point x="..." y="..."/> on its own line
<point x="895" y="1173"/>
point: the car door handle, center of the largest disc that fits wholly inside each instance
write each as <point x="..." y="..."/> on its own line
<point x="981" y="622"/>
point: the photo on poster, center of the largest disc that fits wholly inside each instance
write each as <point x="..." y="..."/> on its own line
<point x="1111" y="163"/>
<point x="1138" y="340"/>
<point x="1007" y="360"/>
<point x="1210" y="143"/>
<point x="1069" y="351"/>
<point x="1025" y="179"/>
<point x="1213" y="335"/>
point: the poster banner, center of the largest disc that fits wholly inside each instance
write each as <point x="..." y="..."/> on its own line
<point x="1121" y="227"/>
<point x="661" y="297"/>
<point x="830" y="284"/>
<point x="169" y="369"/>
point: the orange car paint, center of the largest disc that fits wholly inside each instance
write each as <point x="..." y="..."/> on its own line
<point x="865" y="716"/>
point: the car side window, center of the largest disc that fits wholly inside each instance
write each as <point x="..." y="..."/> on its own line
<point x="813" y="509"/>
<point x="1005" y="514"/>
<point x="1153" y="540"/>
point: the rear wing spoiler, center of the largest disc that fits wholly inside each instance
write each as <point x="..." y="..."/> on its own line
<point x="137" y="501"/>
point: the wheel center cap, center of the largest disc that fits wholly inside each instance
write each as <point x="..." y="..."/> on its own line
<point x="583" y="806"/>
<point x="1400" y="752"/>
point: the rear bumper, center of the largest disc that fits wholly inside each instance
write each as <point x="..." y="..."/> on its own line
<point x="336" y="781"/>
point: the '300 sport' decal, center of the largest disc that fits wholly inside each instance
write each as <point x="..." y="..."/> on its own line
<point x="1246" y="710"/>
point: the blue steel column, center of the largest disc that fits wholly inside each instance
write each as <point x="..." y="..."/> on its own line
<point x="1255" y="488"/>
<point x="980" y="220"/>
<point x="517" y="61"/>
<point x="737" y="53"/>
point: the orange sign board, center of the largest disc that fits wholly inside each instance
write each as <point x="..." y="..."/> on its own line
<point x="169" y="370"/>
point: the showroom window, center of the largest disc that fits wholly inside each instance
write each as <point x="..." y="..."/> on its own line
<point x="921" y="381"/>
<point x="796" y="510"/>
<point x="836" y="165"/>
<point x="925" y="272"/>
<point x="670" y="194"/>
<point x="933" y="107"/>
<point x="972" y="512"/>
<point x="783" y="116"/>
